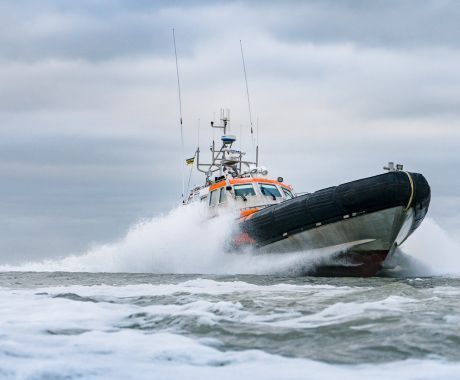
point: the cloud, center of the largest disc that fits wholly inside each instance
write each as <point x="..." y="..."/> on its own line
<point x="104" y="30"/>
<point x="392" y="24"/>
<point x="118" y="29"/>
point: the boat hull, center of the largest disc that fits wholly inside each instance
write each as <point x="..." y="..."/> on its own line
<point x="381" y="231"/>
<point x="371" y="217"/>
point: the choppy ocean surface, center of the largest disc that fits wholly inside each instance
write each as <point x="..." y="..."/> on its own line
<point x="61" y="325"/>
<point x="246" y="316"/>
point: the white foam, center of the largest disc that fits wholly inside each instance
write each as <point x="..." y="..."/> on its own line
<point x="183" y="241"/>
<point x="113" y="305"/>
<point x="102" y="355"/>
<point x="342" y="312"/>
<point x="199" y="286"/>
<point x="430" y="252"/>
<point x="35" y="345"/>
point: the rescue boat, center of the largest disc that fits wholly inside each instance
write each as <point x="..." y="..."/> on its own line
<point x="370" y="216"/>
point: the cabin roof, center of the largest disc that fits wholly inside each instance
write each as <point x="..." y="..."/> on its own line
<point x="237" y="181"/>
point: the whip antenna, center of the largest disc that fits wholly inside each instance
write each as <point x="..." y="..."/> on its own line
<point x="247" y="88"/>
<point x="180" y="114"/>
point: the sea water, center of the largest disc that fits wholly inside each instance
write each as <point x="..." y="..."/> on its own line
<point x="176" y="306"/>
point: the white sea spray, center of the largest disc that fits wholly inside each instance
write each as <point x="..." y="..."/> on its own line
<point x="430" y="251"/>
<point x="185" y="240"/>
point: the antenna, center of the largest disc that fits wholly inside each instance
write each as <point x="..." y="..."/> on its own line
<point x="257" y="140"/>
<point x="198" y="138"/>
<point x="180" y="115"/>
<point x="247" y="88"/>
<point x="257" y="131"/>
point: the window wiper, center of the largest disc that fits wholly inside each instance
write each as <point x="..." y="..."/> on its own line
<point x="271" y="194"/>
<point x="244" y="198"/>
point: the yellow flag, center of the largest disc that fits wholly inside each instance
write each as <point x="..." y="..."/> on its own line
<point x="190" y="161"/>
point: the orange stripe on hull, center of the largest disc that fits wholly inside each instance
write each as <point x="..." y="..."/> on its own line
<point x="245" y="213"/>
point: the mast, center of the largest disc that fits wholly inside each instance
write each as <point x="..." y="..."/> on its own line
<point x="224" y="160"/>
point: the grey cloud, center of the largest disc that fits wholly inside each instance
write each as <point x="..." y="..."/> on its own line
<point x="76" y="150"/>
<point x="106" y="30"/>
<point x="91" y="30"/>
<point x="390" y="24"/>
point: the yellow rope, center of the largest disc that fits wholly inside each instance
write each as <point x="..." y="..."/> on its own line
<point x="411" y="193"/>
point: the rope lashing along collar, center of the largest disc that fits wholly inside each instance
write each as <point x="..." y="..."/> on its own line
<point x="411" y="181"/>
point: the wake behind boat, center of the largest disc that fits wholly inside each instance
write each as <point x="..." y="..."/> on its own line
<point x="372" y="215"/>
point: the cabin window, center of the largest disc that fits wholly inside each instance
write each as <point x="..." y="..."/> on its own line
<point x="244" y="190"/>
<point x="287" y="193"/>
<point x="214" y="198"/>
<point x="223" y="195"/>
<point x="269" y="190"/>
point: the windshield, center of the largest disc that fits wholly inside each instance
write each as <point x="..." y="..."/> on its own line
<point x="269" y="190"/>
<point x="287" y="193"/>
<point x="244" y="190"/>
<point x="214" y="198"/>
<point x="223" y="195"/>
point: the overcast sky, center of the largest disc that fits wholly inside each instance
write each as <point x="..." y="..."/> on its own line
<point x="89" y="136"/>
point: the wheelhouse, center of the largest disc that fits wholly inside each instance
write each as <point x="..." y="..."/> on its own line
<point x="249" y="193"/>
<point x="234" y="181"/>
